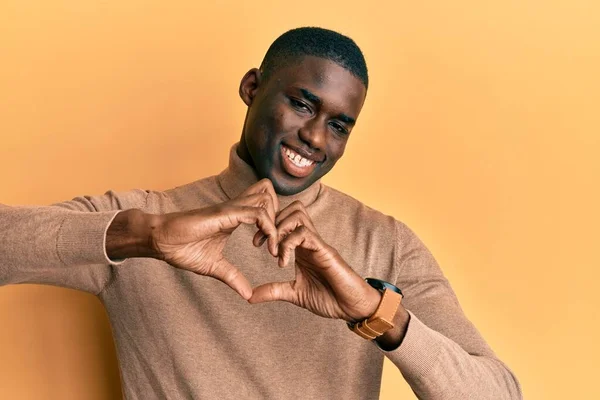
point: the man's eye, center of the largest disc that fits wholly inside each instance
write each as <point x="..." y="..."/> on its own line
<point x="299" y="105"/>
<point x="338" y="128"/>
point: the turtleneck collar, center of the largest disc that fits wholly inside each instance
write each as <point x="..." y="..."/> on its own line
<point x="239" y="175"/>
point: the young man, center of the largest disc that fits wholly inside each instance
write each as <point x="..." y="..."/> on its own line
<point x="322" y="330"/>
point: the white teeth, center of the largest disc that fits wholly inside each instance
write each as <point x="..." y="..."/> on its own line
<point x="297" y="159"/>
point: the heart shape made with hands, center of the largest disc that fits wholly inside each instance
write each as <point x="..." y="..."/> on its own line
<point x="324" y="283"/>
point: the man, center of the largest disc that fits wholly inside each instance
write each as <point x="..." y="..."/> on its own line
<point x="322" y="330"/>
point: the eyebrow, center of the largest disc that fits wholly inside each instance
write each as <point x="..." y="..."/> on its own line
<point x="311" y="96"/>
<point x="308" y="95"/>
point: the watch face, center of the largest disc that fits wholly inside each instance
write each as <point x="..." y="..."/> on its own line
<point x="381" y="285"/>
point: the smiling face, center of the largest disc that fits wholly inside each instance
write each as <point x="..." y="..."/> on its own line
<point x="298" y="121"/>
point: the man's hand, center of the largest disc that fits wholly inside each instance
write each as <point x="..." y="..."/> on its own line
<point x="324" y="283"/>
<point x="194" y="240"/>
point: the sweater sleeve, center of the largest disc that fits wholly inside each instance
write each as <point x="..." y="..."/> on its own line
<point x="442" y="356"/>
<point x="62" y="244"/>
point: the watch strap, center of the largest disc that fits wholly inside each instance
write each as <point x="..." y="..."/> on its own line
<point x="383" y="318"/>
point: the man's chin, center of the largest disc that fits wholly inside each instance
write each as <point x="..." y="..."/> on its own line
<point x="287" y="190"/>
<point x="289" y="186"/>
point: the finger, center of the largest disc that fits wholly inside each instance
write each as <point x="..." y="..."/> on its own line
<point x="262" y="199"/>
<point x="301" y="237"/>
<point x="259" y="217"/>
<point x="294" y="207"/>
<point x="259" y="199"/>
<point x="273" y="240"/>
<point x="258" y="239"/>
<point x="263" y="186"/>
<point x="231" y="276"/>
<point x="274" y="291"/>
<point x="293" y="221"/>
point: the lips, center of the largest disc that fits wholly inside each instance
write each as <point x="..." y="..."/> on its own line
<point x="303" y="153"/>
<point x="296" y="162"/>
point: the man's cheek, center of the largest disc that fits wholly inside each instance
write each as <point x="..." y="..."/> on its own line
<point x="336" y="151"/>
<point x="287" y="120"/>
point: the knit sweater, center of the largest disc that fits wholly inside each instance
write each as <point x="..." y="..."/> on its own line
<point x="180" y="335"/>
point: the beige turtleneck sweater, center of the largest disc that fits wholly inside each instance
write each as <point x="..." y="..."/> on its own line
<point x="179" y="335"/>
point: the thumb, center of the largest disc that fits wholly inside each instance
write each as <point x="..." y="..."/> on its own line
<point x="274" y="291"/>
<point x="224" y="271"/>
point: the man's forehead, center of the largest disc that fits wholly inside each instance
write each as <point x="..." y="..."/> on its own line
<point x="322" y="77"/>
<point x="317" y="70"/>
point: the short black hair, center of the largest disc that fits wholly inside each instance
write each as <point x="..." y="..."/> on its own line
<point x="318" y="42"/>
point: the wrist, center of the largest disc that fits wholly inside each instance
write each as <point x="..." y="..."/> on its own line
<point x="373" y="299"/>
<point x="130" y="235"/>
<point x="393" y="338"/>
<point x="388" y="324"/>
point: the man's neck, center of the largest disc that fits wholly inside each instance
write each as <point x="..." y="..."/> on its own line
<point x="243" y="153"/>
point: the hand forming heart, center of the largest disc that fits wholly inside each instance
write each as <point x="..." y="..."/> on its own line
<point x="324" y="283"/>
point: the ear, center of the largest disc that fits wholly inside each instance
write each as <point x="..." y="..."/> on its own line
<point x="249" y="86"/>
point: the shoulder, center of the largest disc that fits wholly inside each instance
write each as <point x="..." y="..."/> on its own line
<point x="348" y="209"/>
<point x="342" y="215"/>
<point x="381" y="239"/>
<point x="341" y="211"/>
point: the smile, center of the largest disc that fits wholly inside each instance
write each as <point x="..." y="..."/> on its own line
<point x="297" y="159"/>
<point x="296" y="165"/>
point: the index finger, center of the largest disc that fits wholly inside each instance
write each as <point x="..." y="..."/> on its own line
<point x="295" y="208"/>
<point x="263" y="186"/>
<point x="258" y="216"/>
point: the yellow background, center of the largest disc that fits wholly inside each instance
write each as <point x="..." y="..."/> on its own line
<point x="480" y="131"/>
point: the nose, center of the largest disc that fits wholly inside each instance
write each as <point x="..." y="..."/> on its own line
<point x="313" y="133"/>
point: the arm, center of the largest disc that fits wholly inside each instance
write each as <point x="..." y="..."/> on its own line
<point x="76" y="249"/>
<point x="440" y="354"/>
<point x="61" y="244"/>
<point x="129" y="235"/>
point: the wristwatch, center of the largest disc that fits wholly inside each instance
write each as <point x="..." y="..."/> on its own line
<point x="383" y="318"/>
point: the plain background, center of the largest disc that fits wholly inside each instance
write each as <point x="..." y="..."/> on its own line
<point x="480" y="131"/>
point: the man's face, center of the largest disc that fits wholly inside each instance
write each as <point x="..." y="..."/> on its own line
<point x="299" y="121"/>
